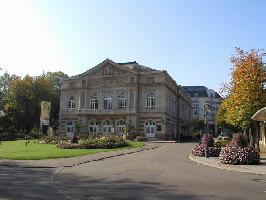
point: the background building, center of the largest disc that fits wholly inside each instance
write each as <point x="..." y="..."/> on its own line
<point x="112" y="96"/>
<point x="205" y="103"/>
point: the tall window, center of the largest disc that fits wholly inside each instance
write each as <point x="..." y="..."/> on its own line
<point x="121" y="126"/>
<point x="150" y="101"/>
<point x="70" y="126"/>
<point x="150" y="127"/>
<point x="93" y="126"/>
<point x="196" y="112"/>
<point x="71" y="103"/>
<point x="107" y="126"/>
<point x="94" y="103"/>
<point x="121" y="100"/>
<point x="107" y="103"/>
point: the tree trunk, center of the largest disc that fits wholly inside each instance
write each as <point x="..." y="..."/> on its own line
<point x="257" y="136"/>
<point x="246" y="133"/>
<point x="251" y="135"/>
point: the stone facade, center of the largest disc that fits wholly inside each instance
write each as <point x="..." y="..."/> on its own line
<point x="111" y="97"/>
<point x="206" y="102"/>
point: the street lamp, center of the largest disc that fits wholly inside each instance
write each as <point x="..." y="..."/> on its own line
<point x="206" y="111"/>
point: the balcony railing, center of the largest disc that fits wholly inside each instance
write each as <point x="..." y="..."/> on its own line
<point x="107" y="111"/>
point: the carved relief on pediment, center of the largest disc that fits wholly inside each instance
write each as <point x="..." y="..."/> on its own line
<point x="111" y="70"/>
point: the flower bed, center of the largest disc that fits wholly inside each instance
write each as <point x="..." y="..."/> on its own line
<point x="95" y="143"/>
<point x="199" y="150"/>
<point x="50" y="139"/>
<point x="239" y="155"/>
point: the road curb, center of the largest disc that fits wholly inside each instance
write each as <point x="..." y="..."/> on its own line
<point x="237" y="168"/>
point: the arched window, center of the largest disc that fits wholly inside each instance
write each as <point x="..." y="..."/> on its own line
<point x="121" y="126"/>
<point x="150" y="128"/>
<point x="93" y="126"/>
<point x="107" y="103"/>
<point x="70" y="126"/>
<point x="107" y="126"/>
<point x="121" y="102"/>
<point x="71" y="103"/>
<point x="150" y="101"/>
<point x="94" y="103"/>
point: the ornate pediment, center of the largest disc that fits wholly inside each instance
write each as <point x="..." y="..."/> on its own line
<point x="108" y="68"/>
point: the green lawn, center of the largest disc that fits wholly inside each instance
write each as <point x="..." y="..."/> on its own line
<point x="17" y="150"/>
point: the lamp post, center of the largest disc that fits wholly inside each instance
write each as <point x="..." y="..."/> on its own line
<point x="206" y="109"/>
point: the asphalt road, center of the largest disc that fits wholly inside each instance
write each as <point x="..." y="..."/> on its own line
<point x="162" y="173"/>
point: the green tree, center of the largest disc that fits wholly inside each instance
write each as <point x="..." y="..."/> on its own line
<point x="23" y="101"/>
<point x="5" y="81"/>
<point x="245" y="92"/>
<point x="55" y="77"/>
<point x="198" y="125"/>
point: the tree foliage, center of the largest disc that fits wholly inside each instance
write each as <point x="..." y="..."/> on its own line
<point x="5" y="81"/>
<point x="24" y="96"/>
<point x="246" y="91"/>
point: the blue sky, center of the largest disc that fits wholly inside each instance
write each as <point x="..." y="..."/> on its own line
<point x="191" y="39"/>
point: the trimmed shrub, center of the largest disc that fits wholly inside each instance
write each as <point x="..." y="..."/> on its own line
<point x="239" y="155"/>
<point x="95" y="143"/>
<point x="207" y="139"/>
<point x="239" y="140"/>
<point x="199" y="150"/>
<point x="140" y="139"/>
<point x="207" y="142"/>
<point x="8" y="136"/>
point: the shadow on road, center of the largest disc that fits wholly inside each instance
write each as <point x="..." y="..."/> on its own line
<point x="111" y="189"/>
<point x="27" y="183"/>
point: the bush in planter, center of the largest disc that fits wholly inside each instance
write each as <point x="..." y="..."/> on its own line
<point x="238" y="153"/>
<point x="207" y="142"/>
<point x="199" y="150"/>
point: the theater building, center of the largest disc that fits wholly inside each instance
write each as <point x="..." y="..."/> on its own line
<point x="111" y="97"/>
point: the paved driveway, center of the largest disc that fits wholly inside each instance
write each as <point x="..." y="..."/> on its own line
<point x="162" y="173"/>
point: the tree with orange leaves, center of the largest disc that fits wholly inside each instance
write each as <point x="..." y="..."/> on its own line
<point x="246" y="92"/>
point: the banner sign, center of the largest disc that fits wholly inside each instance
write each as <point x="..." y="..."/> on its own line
<point x="45" y="112"/>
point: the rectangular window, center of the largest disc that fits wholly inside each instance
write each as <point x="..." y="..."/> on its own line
<point x="196" y="106"/>
<point x="121" y="103"/>
<point x="93" y="129"/>
<point x="94" y="104"/>
<point x="107" y="104"/>
<point x="196" y="112"/>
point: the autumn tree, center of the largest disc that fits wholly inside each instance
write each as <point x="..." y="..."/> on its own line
<point x="245" y="92"/>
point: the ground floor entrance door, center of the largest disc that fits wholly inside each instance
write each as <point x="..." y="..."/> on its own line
<point x="150" y="129"/>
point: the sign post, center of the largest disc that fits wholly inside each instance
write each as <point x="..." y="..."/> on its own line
<point x="45" y="114"/>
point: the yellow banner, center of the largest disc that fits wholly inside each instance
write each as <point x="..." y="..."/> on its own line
<point x="45" y="110"/>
